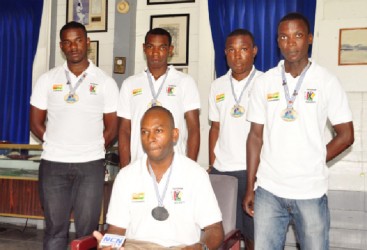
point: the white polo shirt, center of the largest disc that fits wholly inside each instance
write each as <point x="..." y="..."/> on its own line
<point x="190" y="201"/>
<point x="230" y="149"/>
<point x="293" y="156"/>
<point x="74" y="132"/>
<point x="179" y="94"/>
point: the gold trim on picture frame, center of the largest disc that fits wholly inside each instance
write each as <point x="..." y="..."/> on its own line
<point x="91" y="13"/>
<point x="352" y="46"/>
<point x="93" y="52"/>
<point x="152" y="2"/>
<point x="178" y="26"/>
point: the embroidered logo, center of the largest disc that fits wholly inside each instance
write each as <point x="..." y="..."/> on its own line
<point x="137" y="92"/>
<point x="273" y="97"/>
<point x="219" y="97"/>
<point x="171" y="90"/>
<point x="310" y="95"/>
<point x="57" y="87"/>
<point x="93" y="88"/>
<point x="137" y="197"/>
<point x="177" y="195"/>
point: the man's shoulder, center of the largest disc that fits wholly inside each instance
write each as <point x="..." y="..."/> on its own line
<point x="139" y="77"/>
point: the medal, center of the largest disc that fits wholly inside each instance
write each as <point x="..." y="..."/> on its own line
<point x="155" y="95"/>
<point x="154" y="103"/>
<point x="71" y="98"/>
<point x="289" y="115"/>
<point x="237" y="111"/>
<point x="160" y="213"/>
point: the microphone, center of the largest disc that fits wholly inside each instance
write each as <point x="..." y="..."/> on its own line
<point x="113" y="240"/>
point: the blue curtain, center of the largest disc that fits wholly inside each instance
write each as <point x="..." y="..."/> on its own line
<point x="19" y="29"/>
<point x="261" y="17"/>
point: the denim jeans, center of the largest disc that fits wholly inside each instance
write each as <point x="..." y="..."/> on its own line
<point x="244" y="222"/>
<point x="64" y="187"/>
<point x="311" y="219"/>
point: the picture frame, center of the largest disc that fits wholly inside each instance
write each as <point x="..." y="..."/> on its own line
<point x="353" y="46"/>
<point x="93" y="52"/>
<point x="178" y="26"/>
<point x="152" y="2"/>
<point x="91" y="13"/>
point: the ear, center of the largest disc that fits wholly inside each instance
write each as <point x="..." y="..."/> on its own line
<point x="88" y="42"/>
<point x="175" y="134"/>
<point x="310" y="38"/>
<point x="170" y="50"/>
<point x="254" y="52"/>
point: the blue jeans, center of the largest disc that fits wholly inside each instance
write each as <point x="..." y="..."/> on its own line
<point x="273" y="214"/>
<point x="244" y="222"/>
<point x="64" y="187"/>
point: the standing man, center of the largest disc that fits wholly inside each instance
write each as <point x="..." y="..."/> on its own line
<point x="228" y="102"/>
<point x="158" y="85"/>
<point x="164" y="199"/>
<point x="79" y="102"/>
<point x="289" y="107"/>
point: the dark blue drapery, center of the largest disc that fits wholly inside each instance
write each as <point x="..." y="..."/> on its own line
<point x="19" y="30"/>
<point x="261" y="17"/>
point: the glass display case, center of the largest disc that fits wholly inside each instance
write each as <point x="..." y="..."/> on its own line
<point x="19" y="165"/>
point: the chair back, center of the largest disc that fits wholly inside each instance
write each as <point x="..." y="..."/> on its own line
<point x="225" y="189"/>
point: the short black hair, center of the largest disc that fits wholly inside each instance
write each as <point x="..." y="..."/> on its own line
<point x="162" y="109"/>
<point x="161" y="32"/>
<point x="242" y="32"/>
<point x="73" y="25"/>
<point x="296" y="16"/>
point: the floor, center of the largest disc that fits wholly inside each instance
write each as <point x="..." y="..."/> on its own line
<point x="14" y="237"/>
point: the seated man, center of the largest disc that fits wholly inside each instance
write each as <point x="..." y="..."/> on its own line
<point x="164" y="198"/>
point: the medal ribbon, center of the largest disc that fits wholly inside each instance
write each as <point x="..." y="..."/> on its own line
<point x="159" y="198"/>
<point x="290" y="100"/>
<point x="81" y="79"/>
<point x="155" y="95"/>
<point x="243" y="89"/>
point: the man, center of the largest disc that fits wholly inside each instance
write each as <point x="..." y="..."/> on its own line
<point x="79" y="102"/>
<point x="158" y="85"/>
<point x="164" y="198"/>
<point x="288" y="111"/>
<point x="228" y="101"/>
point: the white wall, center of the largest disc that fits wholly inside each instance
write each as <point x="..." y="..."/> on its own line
<point x="348" y="172"/>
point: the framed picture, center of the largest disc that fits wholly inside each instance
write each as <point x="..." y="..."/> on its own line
<point x="93" y="52"/>
<point x="91" y="13"/>
<point x="353" y="46"/>
<point x="151" y="2"/>
<point x="178" y="27"/>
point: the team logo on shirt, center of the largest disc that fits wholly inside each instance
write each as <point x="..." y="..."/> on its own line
<point x="93" y="88"/>
<point x="137" y="91"/>
<point x="219" y="97"/>
<point x="57" y="87"/>
<point x="171" y="90"/>
<point x="310" y="95"/>
<point x="177" y="195"/>
<point x="135" y="197"/>
<point x="273" y="97"/>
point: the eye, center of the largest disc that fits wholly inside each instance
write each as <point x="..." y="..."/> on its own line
<point x="65" y="43"/>
<point x="143" y="132"/>
<point x="149" y="46"/>
<point x="159" y="130"/>
<point x="230" y="50"/>
<point x="244" y="49"/>
<point x="163" y="48"/>
<point x="282" y="37"/>
<point x="299" y="35"/>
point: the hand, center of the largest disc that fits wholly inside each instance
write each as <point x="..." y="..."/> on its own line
<point x="248" y="203"/>
<point x="209" y="169"/>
